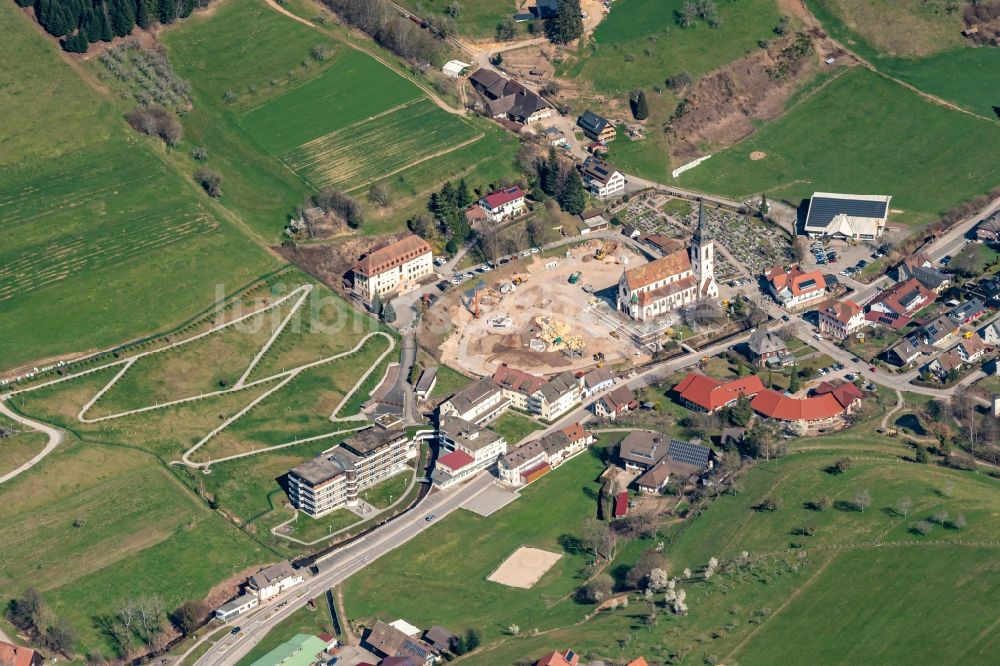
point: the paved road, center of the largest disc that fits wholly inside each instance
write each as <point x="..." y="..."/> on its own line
<point x="339" y="567"/>
<point x="55" y="439"/>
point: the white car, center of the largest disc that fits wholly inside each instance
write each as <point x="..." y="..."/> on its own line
<point x="818" y="336"/>
<point x="457" y="279"/>
<point x="526" y="253"/>
<point x="534" y="250"/>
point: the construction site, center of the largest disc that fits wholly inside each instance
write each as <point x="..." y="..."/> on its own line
<point x="541" y="313"/>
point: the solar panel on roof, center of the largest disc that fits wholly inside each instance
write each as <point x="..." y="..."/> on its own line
<point x="686" y="452"/>
<point x="822" y="210"/>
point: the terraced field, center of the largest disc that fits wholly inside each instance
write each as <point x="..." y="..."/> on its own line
<point x="374" y="148"/>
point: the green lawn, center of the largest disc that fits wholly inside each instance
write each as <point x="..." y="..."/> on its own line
<point x="514" y="427"/>
<point x="465" y="545"/>
<point x="477" y="18"/>
<point x="321" y="105"/>
<point x="385" y="493"/>
<point x="640" y="45"/>
<point x="89" y="524"/>
<point x="942" y="62"/>
<point x="820" y="143"/>
<point x="101" y="237"/>
<point x="920" y="630"/>
<point x="449" y="382"/>
<point x="310" y="529"/>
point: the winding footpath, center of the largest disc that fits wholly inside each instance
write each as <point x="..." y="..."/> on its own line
<point x="350" y="423"/>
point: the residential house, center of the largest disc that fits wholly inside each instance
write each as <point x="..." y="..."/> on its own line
<point x="842" y="319"/>
<point x="602" y="179"/>
<point x="766" y="348"/>
<point x="439" y="638"/>
<point x="855" y="216"/>
<point x="426" y="383"/>
<point x="545" y="9"/>
<point x="299" y="650"/>
<point x="595" y="127"/>
<point x="940" y="332"/>
<point x="661" y="458"/>
<point x="236" y="607"/>
<point x="991" y="333"/>
<point x="970" y="349"/>
<point x="536" y="458"/>
<point x="517" y="386"/>
<point x="556" y="396"/>
<point x="565" y="658"/>
<point x="18" y="655"/>
<point x="488" y="83"/>
<point x="921" y="268"/>
<point x="630" y="232"/>
<point x="676" y="280"/>
<point x="615" y="403"/>
<point x="509" y="99"/>
<point x="968" y="311"/>
<point x="794" y="288"/>
<point x="334" y="478"/>
<point x="465" y="450"/>
<point x="480" y="402"/>
<point x="944" y="365"/>
<point x="888" y="319"/>
<point x="904" y="298"/>
<point x="555" y="136"/>
<point x="393" y="268"/>
<point x="386" y="641"/>
<point x="988" y="289"/>
<point x="503" y="204"/>
<point x="593" y="220"/>
<point x="905" y="351"/>
<point x="705" y="394"/>
<point x="596" y="381"/>
<point x="271" y="581"/>
<point x="988" y="230"/>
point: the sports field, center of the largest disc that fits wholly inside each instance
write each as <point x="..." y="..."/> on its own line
<point x="640" y="45"/>
<point x="865" y="134"/>
<point x="102" y="239"/>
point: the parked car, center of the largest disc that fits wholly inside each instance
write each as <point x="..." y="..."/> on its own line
<point x="236" y="630"/>
<point x="429" y="517"/>
<point x="534" y="250"/>
<point x="818" y="336"/>
<point x="785" y="318"/>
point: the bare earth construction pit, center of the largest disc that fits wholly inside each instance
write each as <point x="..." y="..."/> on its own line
<point x="533" y="326"/>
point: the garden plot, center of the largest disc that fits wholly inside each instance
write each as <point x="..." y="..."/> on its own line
<point x="371" y="149"/>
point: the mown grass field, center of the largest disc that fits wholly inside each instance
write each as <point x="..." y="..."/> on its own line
<point x="362" y="153"/>
<point x="859" y="134"/>
<point x="19" y="445"/>
<point x="514" y="427"/>
<point x="477" y="19"/>
<point x="137" y="528"/>
<point x="924" y="49"/>
<point x="640" y="45"/>
<point x="101" y="238"/>
<point x="354" y="88"/>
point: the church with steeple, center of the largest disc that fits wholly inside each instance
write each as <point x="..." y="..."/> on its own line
<point x="678" y="279"/>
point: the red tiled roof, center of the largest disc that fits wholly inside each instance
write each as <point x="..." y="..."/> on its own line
<point x="776" y="405"/>
<point x="392" y="255"/>
<point x="845" y="393"/>
<point x="711" y="394"/>
<point x="621" y="504"/>
<point x="675" y="263"/>
<point x="575" y="432"/>
<point x="795" y="279"/>
<point x="638" y="661"/>
<point x="842" y="311"/>
<point x="685" y="283"/>
<point x="536" y="472"/>
<point x="892" y="297"/>
<point x="893" y="321"/>
<point x="456" y="460"/>
<point x="500" y="197"/>
<point x="557" y="659"/>
<point x="516" y="380"/>
<point x="16" y="655"/>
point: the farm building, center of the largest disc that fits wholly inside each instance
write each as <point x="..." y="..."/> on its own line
<point x="856" y="216"/>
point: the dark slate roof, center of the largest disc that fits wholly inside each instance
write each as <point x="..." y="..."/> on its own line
<point x="592" y="122"/>
<point x="546" y="9"/>
<point x="823" y="209"/>
<point x="701" y="233"/>
<point x="931" y="278"/>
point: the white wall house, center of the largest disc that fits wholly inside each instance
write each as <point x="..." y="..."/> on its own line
<point x="480" y="402"/>
<point x="237" y="607"/>
<point x="842" y="319"/>
<point x="556" y="397"/>
<point x="503" y="204"/>
<point x="394" y="268"/>
<point x="465" y="450"/>
<point x="273" y="580"/>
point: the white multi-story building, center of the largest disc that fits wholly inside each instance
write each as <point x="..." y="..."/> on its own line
<point x="556" y="396"/>
<point x="535" y="458"/>
<point x="842" y="319"/>
<point x="395" y="268"/>
<point x="517" y="386"/>
<point x="334" y="478"/>
<point x="602" y="179"/>
<point x="677" y="280"/>
<point x="503" y="204"/>
<point x="271" y="581"/>
<point x="480" y="402"/>
<point x="465" y="450"/>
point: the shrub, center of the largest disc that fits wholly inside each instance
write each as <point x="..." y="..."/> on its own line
<point x="210" y="181"/>
<point x="768" y="504"/>
<point x="155" y="120"/>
